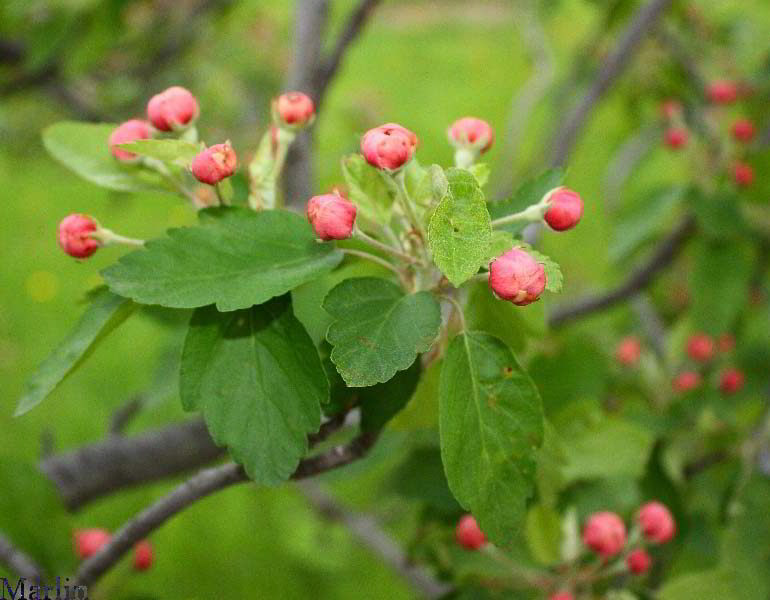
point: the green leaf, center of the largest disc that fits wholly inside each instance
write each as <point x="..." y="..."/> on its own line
<point x="502" y="241"/>
<point x="544" y="534"/>
<point x="238" y="258"/>
<point x="380" y="403"/>
<point x="529" y="193"/>
<point x="421" y="477"/>
<point x="491" y="424"/>
<point x="256" y="377"/>
<point x="480" y="172"/>
<point x="378" y="330"/>
<point x="719" y="214"/>
<point x="367" y="189"/>
<point x="84" y="149"/>
<point x="460" y="233"/>
<point x="716" y="584"/>
<point x="167" y="150"/>
<point x="105" y="313"/>
<point x="431" y="187"/>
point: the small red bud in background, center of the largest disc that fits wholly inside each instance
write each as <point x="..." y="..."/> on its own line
<point x="605" y="533"/>
<point x="143" y="555"/>
<point x="638" y="561"/>
<point x="214" y="164"/>
<point x="731" y="381"/>
<point x="628" y="351"/>
<point x="172" y="109"/>
<point x="676" y="137"/>
<point x="89" y="541"/>
<point x="565" y="208"/>
<point x="656" y="522"/>
<point x="671" y="109"/>
<point x="517" y="277"/>
<point x="294" y="109"/>
<point x="685" y="382"/>
<point x="331" y="216"/>
<point x="700" y="347"/>
<point x="75" y="236"/>
<point x="744" y="130"/>
<point x="388" y="146"/>
<point x="130" y="131"/>
<point x="725" y="342"/>
<point x="561" y="596"/>
<point x="743" y="174"/>
<point x="722" y="92"/>
<point x="472" y="133"/>
<point x="468" y="534"/>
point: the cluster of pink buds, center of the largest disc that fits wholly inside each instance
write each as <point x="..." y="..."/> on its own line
<point x="89" y="542"/>
<point x="517" y="277"/>
<point x="702" y="349"/>
<point x="468" y="534"/>
<point x="388" y="146"/>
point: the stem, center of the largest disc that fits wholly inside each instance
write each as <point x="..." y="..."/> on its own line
<point x="220" y="196"/>
<point x="383" y="247"/>
<point x="403" y="195"/>
<point x="464" y="157"/>
<point x="531" y="214"/>
<point x="380" y="261"/>
<point x="161" y="168"/>
<point x="107" y="236"/>
<point x="529" y="577"/>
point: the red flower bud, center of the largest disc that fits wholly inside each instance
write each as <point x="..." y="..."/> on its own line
<point x="132" y="130"/>
<point x="89" y="541"/>
<point x="331" y="216"/>
<point x="605" y="533"/>
<point x="731" y="381"/>
<point x="670" y="109"/>
<point x="685" y="382"/>
<point x="468" y="534"/>
<point x="473" y="133"/>
<point x="744" y="130"/>
<point x="214" y="164"/>
<point x="676" y="137"/>
<point x="565" y="208"/>
<point x="294" y="108"/>
<point x="561" y="596"/>
<point x="722" y="92"/>
<point x="517" y="277"/>
<point x="75" y="236"/>
<point x="725" y="342"/>
<point x="743" y="174"/>
<point x="638" y="561"/>
<point x="656" y="522"/>
<point x="172" y="109"/>
<point x="143" y="555"/>
<point x="628" y="351"/>
<point x="700" y="347"/>
<point x="388" y="146"/>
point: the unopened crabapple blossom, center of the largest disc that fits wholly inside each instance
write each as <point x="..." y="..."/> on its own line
<point x="563" y="595"/>
<point x="388" y="146"/>
<point x="89" y="541"/>
<point x="638" y="561"/>
<point x="744" y="130"/>
<point x="671" y="109"/>
<point x="686" y="382"/>
<point x="172" y="109"/>
<point x="731" y="381"/>
<point x="743" y="174"/>
<point x="143" y="555"/>
<point x="468" y="534"/>
<point x="605" y="533"/>
<point x="722" y="92"/>
<point x="331" y="216"/>
<point x="75" y="235"/>
<point x="565" y="209"/>
<point x="130" y="131"/>
<point x="471" y="133"/>
<point x="628" y="351"/>
<point x="676" y="137"/>
<point x="657" y="522"/>
<point x="517" y="277"/>
<point x="700" y="347"/>
<point x="294" y="109"/>
<point x="214" y="164"/>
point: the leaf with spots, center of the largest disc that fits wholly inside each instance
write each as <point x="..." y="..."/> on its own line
<point x="491" y="425"/>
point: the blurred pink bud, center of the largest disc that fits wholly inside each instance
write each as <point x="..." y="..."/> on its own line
<point x="671" y="108"/>
<point x="685" y="382"/>
<point x="214" y="164"/>
<point x="143" y="555"/>
<point x="638" y="561"/>
<point x="172" y="109"/>
<point x="388" y="146"/>
<point x="700" y="347"/>
<point x="605" y="533"/>
<point x="744" y="130"/>
<point x="722" y="92"/>
<point x="132" y="130"/>
<point x="331" y="216"/>
<point x="294" y="108"/>
<point x="468" y="534"/>
<point x="676" y="137"/>
<point x="628" y="351"/>
<point x="656" y="522"/>
<point x="565" y="208"/>
<point x="564" y="595"/>
<point x="89" y="541"/>
<point x="75" y="235"/>
<point x="470" y="132"/>
<point x="743" y="174"/>
<point x="517" y="277"/>
<point x="731" y="381"/>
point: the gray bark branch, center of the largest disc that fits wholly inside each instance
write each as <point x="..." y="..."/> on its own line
<point x="18" y="561"/>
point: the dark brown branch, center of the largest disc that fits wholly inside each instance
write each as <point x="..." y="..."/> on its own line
<point x="666" y="251"/>
<point x="17" y="561"/>
<point x="199" y="486"/>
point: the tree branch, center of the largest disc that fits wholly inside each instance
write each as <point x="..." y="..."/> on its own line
<point x="17" y="561"/>
<point x="666" y="251"/>
<point x="199" y="486"/>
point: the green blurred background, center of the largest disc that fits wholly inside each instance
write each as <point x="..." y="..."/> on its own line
<point x="422" y="64"/>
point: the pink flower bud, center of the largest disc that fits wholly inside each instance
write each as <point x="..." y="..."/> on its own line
<point x="700" y="347"/>
<point x="656" y="522"/>
<point x="143" y="555"/>
<point x="172" y="109"/>
<point x="294" y="108"/>
<point x="517" y="277"/>
<point x="214" y="164"/>
<point x="565" y="209"/>
<point x="725" y="342"/>
<point x="563" y="595"/>
<point x="731" y="381"/>
<point x="722" y="92"/>
<point x="676" y="137"/>
<point x="468" y="534"/>
<point x="638" y="561"/>
<point x="628" y="351"/>
<point x="605" y="533"/>
<point x="75" y="236"/>
<point x="473" y="133"/>
<point x="743" y="174"/>
<point x="89" y="541"/>
<point x="388" y="146"/>
<point x="331" y="216"/>
<point x="670" y="109"/>
<point x="686" y="382"/>
<point x="132" y="130"/>
<point x="744" y="130"/>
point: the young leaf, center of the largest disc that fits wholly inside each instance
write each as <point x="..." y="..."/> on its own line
<point x="480" y="172"/>
<point x="367" y="189"/>
<point x="172" y="151"/>
<point x="378" y="330"/>
<point x="430" y="188"/>
<point x="83" y="148"/>
<point x="105" y="313"/>
<point x="380" y="403"/>
<point x="491" y="424"/>
<point x="460" y="233"/>
<point x="530" y="192"/>
<point x="238" y="258"/>
<point x="256" y="377"/>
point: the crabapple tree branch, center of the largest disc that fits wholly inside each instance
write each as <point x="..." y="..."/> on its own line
<point x="17" y="561"/>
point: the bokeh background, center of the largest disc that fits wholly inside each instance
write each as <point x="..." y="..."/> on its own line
<point x="420" y="63"/>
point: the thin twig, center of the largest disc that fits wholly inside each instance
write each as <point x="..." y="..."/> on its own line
<point x="124" y="414"/>
<point x="18" y="561"/>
